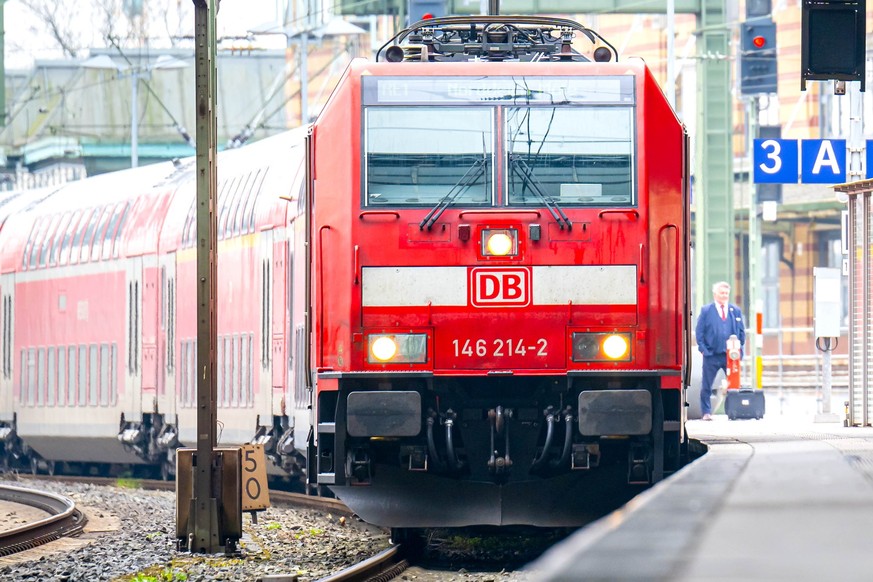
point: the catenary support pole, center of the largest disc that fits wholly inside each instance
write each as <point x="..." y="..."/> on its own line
<point x="204" y="506"/>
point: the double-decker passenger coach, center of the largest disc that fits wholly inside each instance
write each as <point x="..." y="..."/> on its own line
<point x="499" y="276"/>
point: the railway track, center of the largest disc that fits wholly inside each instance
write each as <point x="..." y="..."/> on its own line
<point x="63" y="520"/>
<point x="382" y="567"/>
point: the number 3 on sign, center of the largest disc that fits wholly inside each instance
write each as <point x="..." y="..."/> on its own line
<point x="775" y="161"/>
<point x="255" y="494"/>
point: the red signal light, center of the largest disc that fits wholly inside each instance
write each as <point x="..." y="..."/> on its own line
<point x="759" y="41"/>
<point x="426" y="16"/>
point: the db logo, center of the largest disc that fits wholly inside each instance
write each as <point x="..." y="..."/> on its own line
<point x="499" y="287"/>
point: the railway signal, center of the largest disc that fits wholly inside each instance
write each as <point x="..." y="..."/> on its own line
<point x="833" y="41"/>
<point x="758" y="68"/>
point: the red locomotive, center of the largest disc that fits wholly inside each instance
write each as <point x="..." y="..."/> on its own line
<point x="500" y="283"/>
<point x="459" y="297"/>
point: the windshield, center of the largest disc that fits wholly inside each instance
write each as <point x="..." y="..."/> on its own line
<point x="439" y="142"/>
<point x="417" y="155"/>
<point x="576" y="156"/>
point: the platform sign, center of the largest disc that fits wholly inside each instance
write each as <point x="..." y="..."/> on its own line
<point x="775" y="161"/>
<point x="823" y="161"/>
<point x="255" y="493"/>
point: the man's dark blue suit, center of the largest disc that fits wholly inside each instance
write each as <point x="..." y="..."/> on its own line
<point x="712" y="334"/>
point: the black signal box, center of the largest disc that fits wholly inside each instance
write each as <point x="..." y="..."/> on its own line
<point x="833" y="41"/>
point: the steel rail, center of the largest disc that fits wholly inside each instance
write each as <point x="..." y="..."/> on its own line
<point x="63" y="520"/>
<point x="384" y="566"/>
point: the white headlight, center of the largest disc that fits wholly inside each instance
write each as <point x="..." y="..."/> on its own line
<point x="397" y="348"/>
<point x="500" y="242"/>
<point x="383" y="348"/>
<point x="615" y="346"/>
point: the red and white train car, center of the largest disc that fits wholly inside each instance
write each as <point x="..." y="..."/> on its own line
<point x="500" y="283"/>
<point x="99" y="318"/>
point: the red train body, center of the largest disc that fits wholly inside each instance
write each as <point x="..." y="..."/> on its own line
<point x="459" y="297"/>
<point x="497" y="391"/>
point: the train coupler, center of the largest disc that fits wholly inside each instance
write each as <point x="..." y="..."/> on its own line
<point x="417" y="459"/>
<point x="639" y="469"/>
<point x="359" y="467"/>
<point x="585" y="456"/>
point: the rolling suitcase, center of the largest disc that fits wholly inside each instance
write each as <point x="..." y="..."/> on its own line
<point x="744" y="403"/>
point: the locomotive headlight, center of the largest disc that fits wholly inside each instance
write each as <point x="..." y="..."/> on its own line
<point x="601" y="347"/>
<point x="499" y="242"/>
<point x="383" y="348"/>
<point x="615" y="347"/>
<point x="405" y="348"/>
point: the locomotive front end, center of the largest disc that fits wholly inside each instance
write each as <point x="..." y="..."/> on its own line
<point x="499" y="278"/>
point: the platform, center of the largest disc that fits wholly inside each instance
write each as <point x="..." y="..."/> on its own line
<point x="783" y="498"/>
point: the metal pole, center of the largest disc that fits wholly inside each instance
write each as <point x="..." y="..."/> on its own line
<point x="134" y="119"/>
<point x="856" y="134"/>
<point x="204" y="506"/>
<point x="2" y="64"/>
<point x="304" y="77"/>
<point x="754" y="255"/>
<point x="671" y="54"/>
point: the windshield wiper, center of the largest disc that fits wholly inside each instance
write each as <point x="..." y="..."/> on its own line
<point x="465" y="181"/>
<point x="525" y="172"/>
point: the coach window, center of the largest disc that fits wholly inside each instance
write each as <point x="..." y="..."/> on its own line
<point x="233" y="193"/>
<point x="61" y="231"/>
<point x="111" y="230"/>
<point x="28" y="365"/>
<point x="104" y="374"/>
<point x="72" y="226"/>
<point x="88" y="236"/>
<point x="90" y="214"/>
<point x="7" y="336"/>
<point x="40" y="376"/>
<point x="100" y="233"/>
<point x="247" y="220"/>
<point x="416" y="156"/>
<point x="49" y="236"/>
<point x="117" y="237"/>
<point x="249" y="217"/>
<point x="51" y="386"/>
<point x="72" y="375"/>
<point x="113" y="376"/>
<point x="234" y="221"/>
<point x="221" y="202"/>
<point x="83" y="375"/>
<point x="573" y="155"/>
<point x="38" y="237"/>
<point x="235" y="371"/>
<point x="93" y="371"/>
<point x="219" y="372"/>
<point x="62" y="375"/>
<point x="28" y="245"/>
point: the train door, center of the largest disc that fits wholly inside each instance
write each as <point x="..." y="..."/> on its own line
<point x="151" y="301"/>
<point x="264" y="394"/>
<point x="7" y="353"/>
<point x="167" y="340"/>
<point x="280" y="320"/>
<point x="130" y="400"/>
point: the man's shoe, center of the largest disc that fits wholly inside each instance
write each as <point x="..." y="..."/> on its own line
<point x="707" y="417"/>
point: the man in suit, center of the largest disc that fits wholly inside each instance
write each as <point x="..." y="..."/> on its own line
<point x="715" y="324"/>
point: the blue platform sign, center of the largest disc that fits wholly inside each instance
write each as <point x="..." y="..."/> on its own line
<point x="823" y="161"/>
<point x="775" y="161"/>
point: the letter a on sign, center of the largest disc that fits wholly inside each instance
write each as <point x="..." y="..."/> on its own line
<point x="823" y="161"/>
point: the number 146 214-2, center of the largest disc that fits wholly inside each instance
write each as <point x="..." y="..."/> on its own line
<point x="499" y="347"/>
